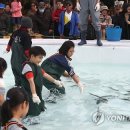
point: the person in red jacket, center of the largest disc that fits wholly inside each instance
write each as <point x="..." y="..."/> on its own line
<point x="56" y="15"/>
<point x="20" y="44"/>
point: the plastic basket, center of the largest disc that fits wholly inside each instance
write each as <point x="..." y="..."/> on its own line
<point x="113" y="33"/>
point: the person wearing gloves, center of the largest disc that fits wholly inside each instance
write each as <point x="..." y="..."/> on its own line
<point x="32" y="80"/>
<point x="58" y="65"/>
<point x="3" y="67"/>
<point x="92" y="6"/>
<point x="20" y="51"/>
<point x="78" y="6"/>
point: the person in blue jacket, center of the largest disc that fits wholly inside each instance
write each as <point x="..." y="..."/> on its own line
<point x="68" y="22"/>
<point x="58" y="65"/>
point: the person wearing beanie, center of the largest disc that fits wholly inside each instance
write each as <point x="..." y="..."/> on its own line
<point x="26" y="22"/>
<point x="20" y="44"/>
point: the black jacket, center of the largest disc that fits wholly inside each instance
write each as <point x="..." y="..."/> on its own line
<point x="22" y="37"/>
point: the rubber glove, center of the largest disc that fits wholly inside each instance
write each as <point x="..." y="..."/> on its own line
<point x="58" y="83"/>
<point x="36" y="99"/>
<point x="78" y="6"/>
<point x="97" y="7"/>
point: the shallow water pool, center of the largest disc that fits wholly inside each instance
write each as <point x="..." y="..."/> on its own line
<point x="106" y="73"/>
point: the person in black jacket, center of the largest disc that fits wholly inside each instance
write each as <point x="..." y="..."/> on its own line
<point x="20" y="43"/>
<point x="4" y="21"/>
<point x="43" y="19"/>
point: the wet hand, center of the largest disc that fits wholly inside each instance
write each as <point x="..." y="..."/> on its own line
<point x="81" y="87"/>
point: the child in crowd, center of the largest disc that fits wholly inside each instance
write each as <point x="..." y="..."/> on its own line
<point x="20" y="43"/>
<point x="56" y="15"/>
<point x="14" y="109"/>
<point x="105" y="20"/>
<point x="56" y="66"/>
<point x="16" y="8"/>
<point x="68" y="22"/>
<point x="7" y="9"/>
<point x="32" y="80"/>
<point x="3" y="67"/>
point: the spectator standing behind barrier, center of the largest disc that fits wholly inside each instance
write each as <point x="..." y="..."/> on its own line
<point x="3" y="67"/>
<point x="4" y="21"/>
<point x="44" y="19"/>
<point x="14" y="109"/>
<point x="33" y="9"/>
<point x="16" y="8"/>
<point x="118" y="19"/>
<point x="8" y="12"/>
<point x="94" y="7"/>
<point x="105" y="21"/>
<point x="32" y="14"/>
<point x="7" y="9"/>
<point x="56" y="15"/>
<point x="68" y="22"/>
<point x="127" y="19"/>
<point x="20" y="43"/>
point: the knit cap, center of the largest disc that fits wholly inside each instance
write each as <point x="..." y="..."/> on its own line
<point x="26" y="22"/>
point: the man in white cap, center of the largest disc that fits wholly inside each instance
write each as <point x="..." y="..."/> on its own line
<point x="91" y="7"/>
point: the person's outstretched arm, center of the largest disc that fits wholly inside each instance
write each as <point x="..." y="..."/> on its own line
<point x="77" y="81"/>
<point x="28" y="73"/>
<point x="51" y="79"/>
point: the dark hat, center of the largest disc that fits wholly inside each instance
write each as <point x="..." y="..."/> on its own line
<point x="59" y="1"/>
<point x="26" y="22"/>
<point x="68" y="2"/>
<point x="41" y="5"/>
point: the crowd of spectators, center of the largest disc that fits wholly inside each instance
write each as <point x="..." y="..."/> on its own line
<point x="61" y="20"/>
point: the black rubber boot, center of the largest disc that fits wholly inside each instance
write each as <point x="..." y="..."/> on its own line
<point x="98" y="33"/>
<point x="83" y="38"/>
